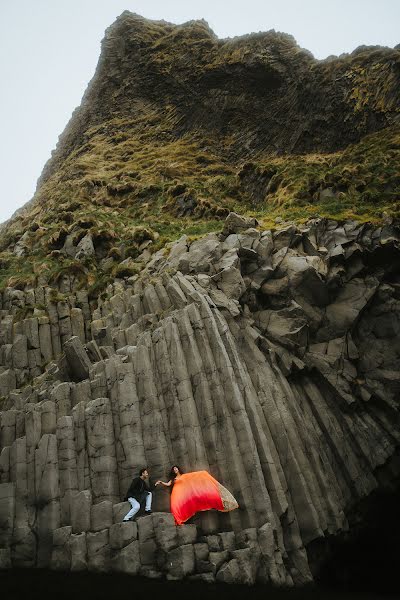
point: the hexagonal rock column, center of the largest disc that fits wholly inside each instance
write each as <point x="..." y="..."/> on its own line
<point x="101" y="450"/>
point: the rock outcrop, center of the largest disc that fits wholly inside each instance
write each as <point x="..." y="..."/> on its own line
<point x="268" y="357"/>
<point x="245" y="96"/>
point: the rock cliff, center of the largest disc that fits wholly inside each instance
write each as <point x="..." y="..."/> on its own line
<point x="269" y="358"/>
<point x="245" y="95"/>
<point x="144" y="321"/>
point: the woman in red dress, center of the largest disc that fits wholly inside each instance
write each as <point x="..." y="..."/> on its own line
<point x="196" y="491"/>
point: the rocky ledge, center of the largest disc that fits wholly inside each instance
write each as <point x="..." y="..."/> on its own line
<point x="269" y="358"/>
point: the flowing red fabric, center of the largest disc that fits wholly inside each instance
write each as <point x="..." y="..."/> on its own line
<point x="193" y="492"/>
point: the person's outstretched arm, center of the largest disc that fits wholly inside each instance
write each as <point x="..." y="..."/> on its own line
<point x="163" y="483"/>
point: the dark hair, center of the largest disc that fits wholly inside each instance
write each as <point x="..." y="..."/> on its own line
<point x="142" y="471"/>
<point x="172" y="474"/>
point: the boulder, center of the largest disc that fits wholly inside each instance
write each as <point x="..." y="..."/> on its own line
<point x="77" y="359"/>
<point x="235" y="223"/>
<point x="85" y="248"/>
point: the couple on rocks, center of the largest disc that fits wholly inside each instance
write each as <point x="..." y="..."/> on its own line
<point x="190" y="493"/>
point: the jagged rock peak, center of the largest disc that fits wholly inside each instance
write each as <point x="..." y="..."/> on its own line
<point x="190" y="83"/>
<point x="136" y="23"/>
<point x="135" y="20"/>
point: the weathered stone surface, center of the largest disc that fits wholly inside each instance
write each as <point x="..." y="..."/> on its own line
<point x="147" y="543"/>
<point x="214" y="543"/>
<point x="227" y="540"/>
<point x="7" y="513"/>
<point x="78" y="552"/>
<point x="201" y="550"/>
<point x="253" y="367"/>
<point x="8" y="382"/>
<point x="77" y="359"/>
<point x="46" y="469"/>
<point x="230" y="281"/>
<point x="20" y="352"/>
<point x="120" y="510"/>
<point x="98" y="551"/>
<point x="61" y="552"/>
<point x="67" y="466"/>
<point x="5" y="465"/>
<point x="181" y="561"/>
<point x="235" y="223"/>
<point x="187" y="534"/>
<point x="23" y="549"/>
<point x="80" y="392"/>
<point x="167" y="535"/>
<point x="217" y="559"/>
<point x="78" y="324"/>
<point x="61" y="396"/>
<point x="127" y="559"/>
<point x="5" y="559"/>
<point x="101" y="515"/>
<point x="101" y="450"/>
<point x="121" y="534"/>
<point x="8" y="423"/>
<point x="81" y="506"/>
<point x="247" y="559"/>
<point x="45" y="339"/>
<point x="85" y="247"/>
<point x="230" y="572"/>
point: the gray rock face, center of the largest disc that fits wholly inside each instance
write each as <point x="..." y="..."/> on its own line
<point x="235" y="223"/>
<point x="85" y="247"/>
<point x="269" y="358"/>
<point x="77" y="359"/>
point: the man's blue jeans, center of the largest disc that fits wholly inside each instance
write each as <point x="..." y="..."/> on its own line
<point x="135" y="506"/>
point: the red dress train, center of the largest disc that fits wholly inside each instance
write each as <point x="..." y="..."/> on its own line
<point x="197" y="491"/>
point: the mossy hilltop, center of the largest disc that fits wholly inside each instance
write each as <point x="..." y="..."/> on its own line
<point x="177" y="128"/>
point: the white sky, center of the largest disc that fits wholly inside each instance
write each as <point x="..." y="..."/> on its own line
<point x="49" y="50"/>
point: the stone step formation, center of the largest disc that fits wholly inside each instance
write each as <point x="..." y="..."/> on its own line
<point x="269" y="358"/>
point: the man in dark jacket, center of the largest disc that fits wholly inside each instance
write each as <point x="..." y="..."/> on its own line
<point x="138" y="493"/>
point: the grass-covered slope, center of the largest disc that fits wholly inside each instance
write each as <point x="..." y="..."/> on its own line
<point x="177" y="128"/>
<point x="123" y="187"/>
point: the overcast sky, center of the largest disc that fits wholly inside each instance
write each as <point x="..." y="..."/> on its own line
<point x="49" y="50"/>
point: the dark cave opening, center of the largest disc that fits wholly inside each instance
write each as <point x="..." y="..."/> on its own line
<point x="366" y="559"/>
